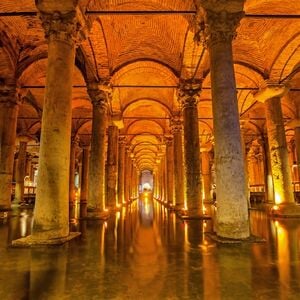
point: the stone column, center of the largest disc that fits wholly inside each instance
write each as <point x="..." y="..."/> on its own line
<point x="178" y="163"/>
<point x="188" y="97"/>
<point x="121" y="170"/>
<point x="84" y="174"/>
<point x="112" y="166"/>
<point x="74" y="144"/>
<point x="51" y="214"/>
<point x="206" y="175"/>
<point x="8" y="125"/>
<point x="20" y="173"/>
<point x="170" y="170"/>
<point x="28" y="168"/>
<point x="128" y="175"/>
<point x="96" y="193"/>
<point x="232" y="207"/>
<point x="270" y="96"/>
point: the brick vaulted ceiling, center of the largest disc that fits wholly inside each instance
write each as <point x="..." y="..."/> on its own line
<point x="145" y="55"/>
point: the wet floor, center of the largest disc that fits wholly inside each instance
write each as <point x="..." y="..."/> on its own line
<point x="145" y="252"/>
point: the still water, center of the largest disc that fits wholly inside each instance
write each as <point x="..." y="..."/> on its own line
<point x="145" y="252"/>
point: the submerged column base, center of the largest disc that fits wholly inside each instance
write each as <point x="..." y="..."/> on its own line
<point x="94" y="214"/>
<point x="291" y="210"/>
<point x="31" y="241"/>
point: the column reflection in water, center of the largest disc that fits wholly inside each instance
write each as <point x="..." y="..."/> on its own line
<point x="287" y="233"/>
<point x="147" y="258"/>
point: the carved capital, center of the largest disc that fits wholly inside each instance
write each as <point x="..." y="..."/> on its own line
<point x="271" y="90"/>
<point x="176" y="125"/>
<point x="98" y="98"/>
<point x="8" y="94"/>
<point x="169" y="140"/>
<point x="122" y="140"/>
<point x="189" y="92"/>
<point x="218" y="26"/>
<point x="61" y="27"/>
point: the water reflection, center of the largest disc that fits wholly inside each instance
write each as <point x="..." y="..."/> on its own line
<point x="146" y="252"/>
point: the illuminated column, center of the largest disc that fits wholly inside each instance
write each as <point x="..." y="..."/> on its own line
<point x="178" y="162"/>
<point x="232" y="207"/>
<point x="281" y="174"/>
<point x="8" y="126"/>
<point x="121" y="170"/>
<point x="51" y="213"/>
<point x="74" y="144"/>
<point x="296" y="125"/>
<point x="170" y="170"/>
<point x="28" y="168"/>
<point x="128" y="174"/>
<point x="206" y="176"/>
<point x="96" y="190"/>
<point x="84" y="174"/>
<point x="188" y="97"/>
<point x="20" y="174"/>
<point x="112" y="166"/>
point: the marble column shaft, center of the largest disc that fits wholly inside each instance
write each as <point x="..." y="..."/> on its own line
<point x="278" y="152"/>
<point x="112" y="166"/>
<point x="51" y="214"/>
<point x="189" y="100"/>
<point x="178" y="164"/>
<point x="74" y="144"/>
<point x="20" y="174"/>
<point x="121" y="170"/>
<point x="232" y="207"/>
<point x="84" y="175"/>
<point x="297" y="144"/>
<point x="8" y="125"/>
<point x="206" y="176"/>
<point x="170" y="170"/>
<point x="96" y="191"/>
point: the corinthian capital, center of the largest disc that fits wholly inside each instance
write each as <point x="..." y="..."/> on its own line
<point x="99" y="94"/>
<point x="189" y="92"/>
<point x="8" y="93"/>
<point x="62" y="27"/>
<point x="221" y="26"/>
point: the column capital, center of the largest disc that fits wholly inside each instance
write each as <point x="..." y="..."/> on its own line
<point x="8" y="94"/>
<point x="64" y="27"/>
<point x="294" y="123"/>
<point x="75" y="141"/>
<point x="168" y="139"/>
<point x="176" y="125"/>
<point x="99" y="94"/>
<point x="217" y="25"/>
<point x="122" y="140"/>
<point x="189" y="92"/>
<point x="271" y="90"/>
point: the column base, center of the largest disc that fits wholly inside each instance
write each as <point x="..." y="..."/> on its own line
<point x="5" y="208"/>
<point x="222" y="240"/>
<point x="191" y="215"/>
<point x="285" y="210"/>
<point x="94" y="214"/>
<point x="30" y="241"/>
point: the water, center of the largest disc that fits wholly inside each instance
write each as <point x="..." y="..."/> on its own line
<point x="145" y="252"/>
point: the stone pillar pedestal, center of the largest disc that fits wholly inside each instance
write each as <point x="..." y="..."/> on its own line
<point x="8" y="125"/>
<point x="188" y="97"/>
<point x="20" y="173"/>
<point x="232" y="207"/>
<point x="51" y="213"/>
<point x="121" y="170"/>
<point x="170" y="171"/>
<point x="178" y="163"/>
<point x="96" y="191"/>
<point x="284" y="197"/>
<point x="112" y="166"/>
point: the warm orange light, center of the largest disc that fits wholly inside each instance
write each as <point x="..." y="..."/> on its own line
<point x="275" y="207"/>
<point x="277" y="198"/>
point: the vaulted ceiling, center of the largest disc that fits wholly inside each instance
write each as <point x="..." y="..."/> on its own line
<point x="144" y="48"/>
